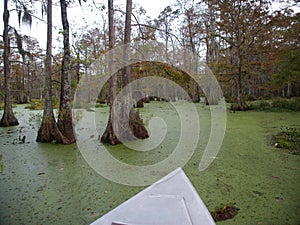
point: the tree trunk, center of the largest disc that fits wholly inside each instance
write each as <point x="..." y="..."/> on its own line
<point x="135" y="122"/>
<point x="22" y="92"/>
<point x="29" y="82"/>
<point x="78" y="66"/>
<point x="65" y="122"/>
<point x="109" y="135"/>
<point x="8" y="118"/>
<point x="195" y="95"/>
<point x="49" y="131"/>
<point x="240" y="104"/>
<point x="166" y="41"/>
<point x="288" y="92"/>
<point x="127" y="113"/>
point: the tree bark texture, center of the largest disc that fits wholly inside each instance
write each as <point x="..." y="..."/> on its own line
<point x="241" y="104"/>
<point x="195" y="96"/>
<point x="65" y="121"/>
<point x="127" y="113"/>
<point x="109" y="135"/>
<point x="136" y="124"/>
<point x="49" y="131"/>
<point x="8" y="118"/>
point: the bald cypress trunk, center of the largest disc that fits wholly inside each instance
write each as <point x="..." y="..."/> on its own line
<point x="65" y="122"/>
<point x="127" y="115"/>
<point x="8" y="118"/>
<point x="109" y="135"/>
<point x="240" y="103"/>
<point x="49" y="131"/>
<point x="135" y="122"/>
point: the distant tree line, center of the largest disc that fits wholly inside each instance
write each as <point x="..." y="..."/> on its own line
<point x="252" y="49"/>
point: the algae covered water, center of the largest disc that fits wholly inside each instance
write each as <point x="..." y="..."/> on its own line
<point x="53" y="184"/>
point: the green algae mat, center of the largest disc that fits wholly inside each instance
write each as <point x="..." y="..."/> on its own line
<point x="53" y="184"/>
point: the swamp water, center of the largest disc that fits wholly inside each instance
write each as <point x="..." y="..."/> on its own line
<point x="53" y="184"/>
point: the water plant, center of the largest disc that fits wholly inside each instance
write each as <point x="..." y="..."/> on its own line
<point x="1" y="163"/>
<point x="288" y="138"/>
<point x="276" y="105"/>
<point x="224" y="212"/>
